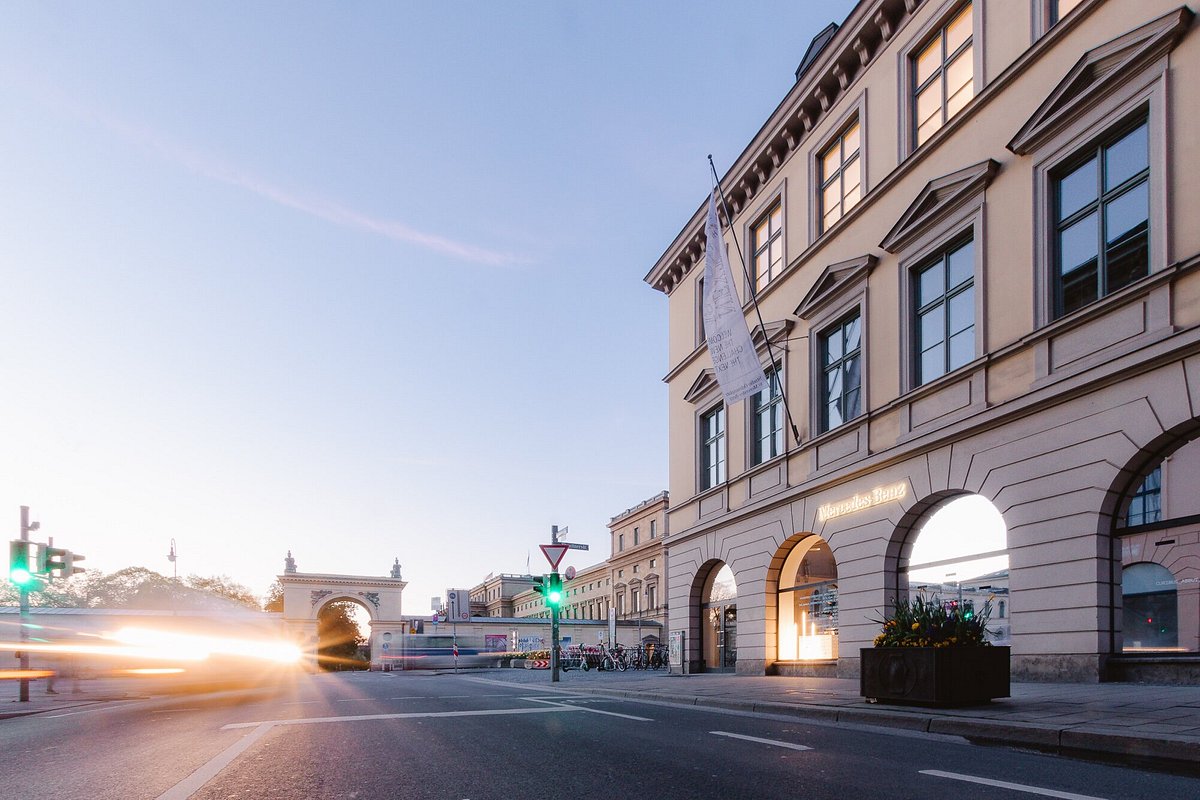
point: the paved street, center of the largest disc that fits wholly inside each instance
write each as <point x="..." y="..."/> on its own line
<point x="508" y="734"/>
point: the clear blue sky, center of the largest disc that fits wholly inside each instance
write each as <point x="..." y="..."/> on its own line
<point x="359" y="280"/>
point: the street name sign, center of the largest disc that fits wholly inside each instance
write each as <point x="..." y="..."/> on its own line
<point x="574" y="546"/>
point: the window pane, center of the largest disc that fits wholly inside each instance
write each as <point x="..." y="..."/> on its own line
<point x="929" y="104"/>
<point x="852" y="407"/>
<point x="833" y="414"/>
<point x="1080" y="288"/>
<point x="932" y="328"/>
<point x="853" y="195"/>
<point x="962" y="264"/>
<point x="931" y="284"/>
<point x="959" y="30"/>
<point x="962" y="310"/>
<point x="1127" y="253"/>
<point x="1126" y="158"/>
<point x="1077" y="190"/>
<point x="830" y="218"/>
<point x="830" y="161"/>
<point x="852" y="334"/>
<point x="928" y="60"/>
<point x="833" y="347"/>
<point x="776" y="220"/>
<point x="762" y="270"/>
<point x="853" y="381"/>
<point x="1126" y="214"/>
<point x="959" y="84"/>
<point x="850" y="140"/>
<point x="833" y="383"/>
<point x="933" y="363"/>
<point x="1078" y="245"/>
<point x="962" y="348"/>
<point x="832" y="201"/>
<point x="776" y="255"/>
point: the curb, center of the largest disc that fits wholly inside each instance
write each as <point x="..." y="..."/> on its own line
<point x="1181" y="750"/>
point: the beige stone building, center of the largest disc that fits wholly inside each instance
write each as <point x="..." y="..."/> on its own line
<point x="637" y="566"/>
<point x="969" y="227"/>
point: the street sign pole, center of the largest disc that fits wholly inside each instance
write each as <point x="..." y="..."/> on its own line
<point x="554" y="638"/>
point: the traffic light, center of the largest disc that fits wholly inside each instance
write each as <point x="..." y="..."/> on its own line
<point x="60" y="562"/>
<point x="554" y="590"/>
<point x="20" y="570"/>
<point x="539" y="586"/>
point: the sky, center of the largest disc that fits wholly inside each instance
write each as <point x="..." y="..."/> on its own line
<point x="359" y="281"/>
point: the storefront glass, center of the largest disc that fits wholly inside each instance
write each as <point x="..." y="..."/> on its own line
<point x="718" y="626"/>
<point x="808" y="603"/>
<point x="960" y="554"/>
<point x="1151" y="608"/>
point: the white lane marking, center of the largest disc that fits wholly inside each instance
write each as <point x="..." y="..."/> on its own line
<point x="412" y="715"/>
<point x="788" y="745"/>
<point x="194" y="782"/>
<point x="172" y="710"/>
<point x="589" y="710"/>
<point x="1016" y="787"/>
<point x="107" y="707"/>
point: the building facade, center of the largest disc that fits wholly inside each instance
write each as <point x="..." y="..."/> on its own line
<point x="637" y="564"/>
<point x="966" y="227"/>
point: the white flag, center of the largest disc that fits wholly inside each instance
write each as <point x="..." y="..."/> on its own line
<point x="739" y="373"/>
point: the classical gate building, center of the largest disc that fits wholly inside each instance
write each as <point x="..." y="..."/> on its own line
<point x="970" y="229"/>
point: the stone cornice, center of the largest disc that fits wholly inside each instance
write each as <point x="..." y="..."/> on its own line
<point x="868" y="28"/>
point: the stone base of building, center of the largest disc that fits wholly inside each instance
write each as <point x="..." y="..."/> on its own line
<point x="747" y="666"/>
<point x="1059" y="668"/>
<point x="805" y="669"/>
<point x="1182" y="669"/>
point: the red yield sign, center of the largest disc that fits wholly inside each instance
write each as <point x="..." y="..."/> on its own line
<point x="554" y="553"/>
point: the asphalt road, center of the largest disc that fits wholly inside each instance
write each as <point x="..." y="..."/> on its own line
<point x="450" y="737"/>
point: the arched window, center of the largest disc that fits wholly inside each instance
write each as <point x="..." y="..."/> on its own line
<point x="808" y="602"/>
<point x="1151" y="607"/>
<point x="960" y="553"/>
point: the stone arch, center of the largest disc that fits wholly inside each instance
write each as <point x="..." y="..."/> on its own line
<point x="306" y="593"/>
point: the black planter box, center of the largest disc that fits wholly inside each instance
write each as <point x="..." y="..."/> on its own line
<point x="938" y="676"/>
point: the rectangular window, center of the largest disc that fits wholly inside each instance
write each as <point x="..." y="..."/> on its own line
<point x="651" y="597"/>
<point x="943" y="71"/>
<point x="636" y="535"/>
<point x="1146" y="505"/>
<point x="712" y="448"/>
<point x="841" y="359"/>
<point x="620" y="542"/>
<point x="944" y="294"/>
<point x="653" y="563"/>
<point x="1101" y="208"/>
<point x="767" y="241"/>
<point x="766" y="413"/>
<point x="841" y="176"/>
<point x="653" y="528"/>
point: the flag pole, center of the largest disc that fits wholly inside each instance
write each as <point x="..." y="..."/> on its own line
<point x="753" y="298"/>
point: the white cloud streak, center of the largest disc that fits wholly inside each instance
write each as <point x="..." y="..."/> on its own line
<point x="215" y="169"/>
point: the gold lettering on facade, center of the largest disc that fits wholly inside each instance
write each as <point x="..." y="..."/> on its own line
<point x="860" y="502"/>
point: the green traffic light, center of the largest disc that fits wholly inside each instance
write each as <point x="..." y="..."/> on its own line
<point x="555" y="597"/>
<point x="20" y="576"/>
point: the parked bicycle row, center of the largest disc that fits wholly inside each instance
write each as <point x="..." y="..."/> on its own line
<point x="618" y="658"/>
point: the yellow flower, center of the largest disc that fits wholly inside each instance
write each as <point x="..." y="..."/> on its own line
<point x="916" y="626"/>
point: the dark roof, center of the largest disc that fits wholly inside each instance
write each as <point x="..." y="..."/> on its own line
<point x="815" y="47"/>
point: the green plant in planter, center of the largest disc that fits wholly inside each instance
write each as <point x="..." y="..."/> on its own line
<point x="932" y="622"/>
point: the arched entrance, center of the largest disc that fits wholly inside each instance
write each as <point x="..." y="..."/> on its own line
<point x="305" y="594"/>
<point x="718" y="621"/>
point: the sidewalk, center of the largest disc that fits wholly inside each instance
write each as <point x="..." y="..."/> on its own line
<point x="1120" y="720"/>
<point x="70" y="695"/>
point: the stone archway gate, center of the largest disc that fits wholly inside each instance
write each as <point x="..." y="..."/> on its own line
<point x="306" y="593"/>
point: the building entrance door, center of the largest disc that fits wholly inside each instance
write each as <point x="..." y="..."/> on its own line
<point x="720" y="638"/>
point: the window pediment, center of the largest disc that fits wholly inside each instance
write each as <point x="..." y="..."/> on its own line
<point x="940" y="197"/>
<point x="1098" y="72"/>
<point x="833" y="282"/>
<point x="705" y="381"/>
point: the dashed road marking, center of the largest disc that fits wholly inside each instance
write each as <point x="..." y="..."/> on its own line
<point x="1016" y="787"/>
<point x="772" y="742"/>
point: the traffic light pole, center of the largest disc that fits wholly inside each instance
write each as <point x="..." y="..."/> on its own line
<point x="24" y="595"/>
<point x="554" y="643"/>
